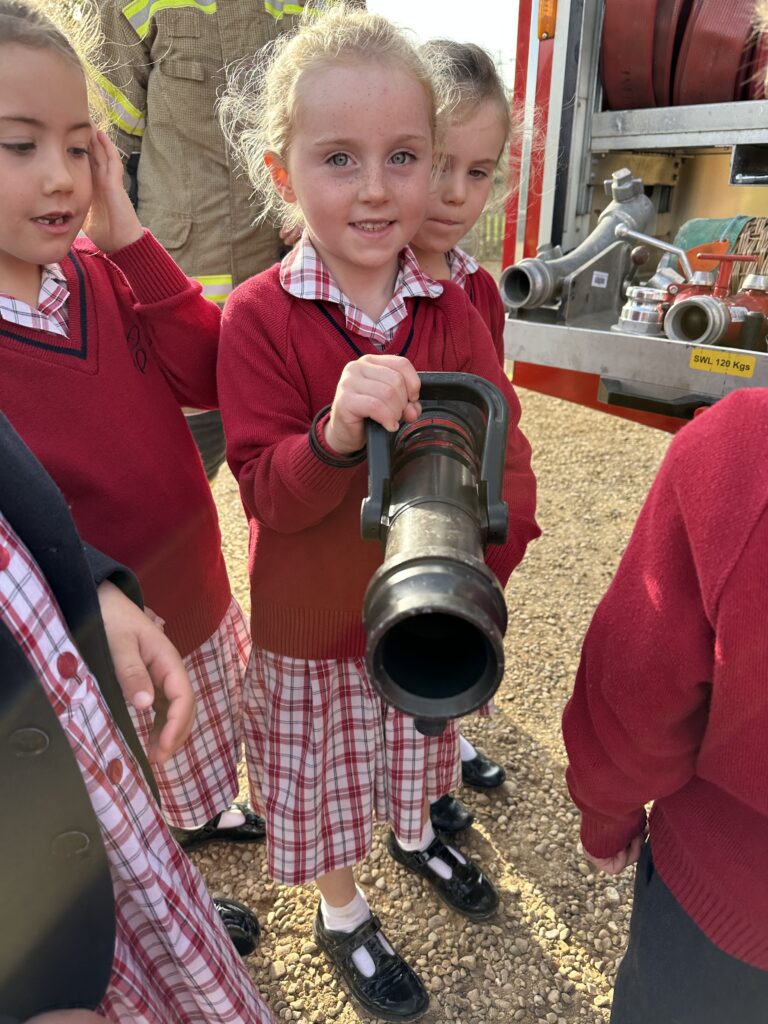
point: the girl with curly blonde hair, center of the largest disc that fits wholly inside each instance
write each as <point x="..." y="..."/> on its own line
<point x="340" y="133"/>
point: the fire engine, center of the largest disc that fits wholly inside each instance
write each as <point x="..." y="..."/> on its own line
<point x="636" y="251"/>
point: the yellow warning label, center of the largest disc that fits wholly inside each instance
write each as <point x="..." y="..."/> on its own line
<point x="716" y="361"/>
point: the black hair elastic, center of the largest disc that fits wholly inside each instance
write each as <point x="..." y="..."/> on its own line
<point x="337" y="461"/>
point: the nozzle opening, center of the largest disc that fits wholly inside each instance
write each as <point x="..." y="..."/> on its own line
<point x="517" y="287"/>
<point x="435" y="656"/>
<point x="692" y="323"/>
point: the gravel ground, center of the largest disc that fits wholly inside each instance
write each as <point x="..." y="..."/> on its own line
<point x="551" y="953"/>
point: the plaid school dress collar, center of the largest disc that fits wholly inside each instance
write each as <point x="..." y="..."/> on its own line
<point x="51" y="311"/>
<point x="304" y="275"/>
<point x="461" y="265"/>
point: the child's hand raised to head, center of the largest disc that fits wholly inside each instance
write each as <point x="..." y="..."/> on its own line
<point x="382" y="388"/>
<point x="112" y="222"/>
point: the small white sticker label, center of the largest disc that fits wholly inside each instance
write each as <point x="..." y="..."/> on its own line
<point x="600" y="279"/>
<point x="738" y="313"/>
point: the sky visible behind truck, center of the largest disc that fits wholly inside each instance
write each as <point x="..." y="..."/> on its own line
<point x="492" y="24"/>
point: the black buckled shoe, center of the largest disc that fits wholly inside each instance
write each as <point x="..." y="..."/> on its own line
<point x="393" y="992"/>
<point x="450" y="815"/>
<point x="241" y="924"/>
<point x="482" y="773"/>
<point x="467" y="891"/>
<point x="251" y="830"/>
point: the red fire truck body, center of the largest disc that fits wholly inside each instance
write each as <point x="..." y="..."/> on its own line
<point x="688" y="158"/>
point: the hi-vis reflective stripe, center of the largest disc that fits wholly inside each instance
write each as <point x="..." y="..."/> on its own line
<point x="278" y="8"/>
<point x="127" y="117"/>
<point x="140" y="12"/>
<point x="216" y="287"/>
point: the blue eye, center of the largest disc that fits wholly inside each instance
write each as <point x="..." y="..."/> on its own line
<point x="338" y="160"/>
<point x="402" y="158"/>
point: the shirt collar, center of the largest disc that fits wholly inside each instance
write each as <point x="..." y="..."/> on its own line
<point x="461" y="265"/>
<point x="304" y="275"/>
<point x="53" y="288"/>
<point x="54" y="270"/>
<point x="50" y="314"/>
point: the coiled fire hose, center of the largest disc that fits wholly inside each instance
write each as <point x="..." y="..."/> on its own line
<point x="680" y="52"/>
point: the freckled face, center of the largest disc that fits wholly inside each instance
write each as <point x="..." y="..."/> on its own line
<point x="45" y="133"/>
<point x="359" y="165"/>
<point x="472" y="149"/>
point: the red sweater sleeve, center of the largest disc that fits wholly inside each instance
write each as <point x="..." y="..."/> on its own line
<point x="519" y="490"/>
<point x="634" y="724"/>
<point x="496" y="315"/>
<point x="183" y="326"/>
<point x="283" y="484"/>
<point x="497" y="328"/>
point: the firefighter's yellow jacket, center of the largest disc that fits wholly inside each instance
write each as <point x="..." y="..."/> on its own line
<point x="164" y="65"/>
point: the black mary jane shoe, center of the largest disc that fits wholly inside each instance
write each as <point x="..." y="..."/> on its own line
<point x="450" y="815"/>
<point x="241" y="923"/>
<point x="482" y="773"/>
<point x="251" y="830"/>
<point x="393" y="992"/>
<point x="467" y="891"/>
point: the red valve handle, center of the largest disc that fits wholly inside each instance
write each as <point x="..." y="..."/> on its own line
<point x="725" y="269"/>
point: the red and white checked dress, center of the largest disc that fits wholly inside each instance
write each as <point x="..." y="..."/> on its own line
<point x="201" y="779"/>
<point x="325" y="753"/>
<point x="174" y="962"/>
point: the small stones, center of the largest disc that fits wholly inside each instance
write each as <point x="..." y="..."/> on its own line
<point x="549" y="956"/>
<point x="611" y="896"/>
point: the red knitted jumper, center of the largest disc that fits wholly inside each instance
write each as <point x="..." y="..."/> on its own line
<point x="671" y="697"/>
<point x="280" y="360"/>
<point x="484" y="295"/>
<point x="100" y="409"/>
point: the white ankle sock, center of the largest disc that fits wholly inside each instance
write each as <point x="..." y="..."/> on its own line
<point x="434" y="863"/>
<point x="231" y="818"/>
<point x="346" y="919"/>
<point x="427" y="835"/>
<point x="466" y="749"/>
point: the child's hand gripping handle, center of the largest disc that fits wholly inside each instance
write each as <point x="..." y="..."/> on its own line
<point x="445" y="387"/>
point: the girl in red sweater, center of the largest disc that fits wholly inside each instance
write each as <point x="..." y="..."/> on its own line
<point x="474" y="141"/>
<point x="472" y="146"/>
<point x="671" y="705"/>
<point x="341" y="133"/>
<point x="102" y="338"/>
